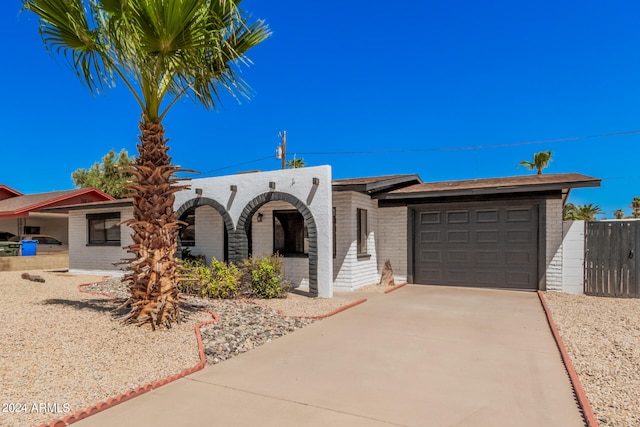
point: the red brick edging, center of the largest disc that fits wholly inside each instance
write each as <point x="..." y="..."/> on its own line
<point x="398" y="286"/>
<point x="130" y="394"/>
<point x="581" y="397"/>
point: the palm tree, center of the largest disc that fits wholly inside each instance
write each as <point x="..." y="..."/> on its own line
<point x="619" y="214"/>
<point x="569" y="212"/>
<point x="585" y="212"/>
<point x="295" y="163"/>
<point x="162" y="50"/>
<point x="588" y="212"/>
<point x="540" y="161"/>
<point x="635" y="205"/>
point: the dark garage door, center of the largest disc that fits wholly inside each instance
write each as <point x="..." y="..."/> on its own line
<point x="477" y="244"/>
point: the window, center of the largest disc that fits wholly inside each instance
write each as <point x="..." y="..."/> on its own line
<point x="362" y="231"/>
<point x="290" y="235"/>
<point x="187" y="232"/>
<point x="104" y="228"/>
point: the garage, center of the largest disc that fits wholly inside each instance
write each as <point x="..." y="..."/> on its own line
<point x="503" y="233"/>
<point x="481" y="244"/>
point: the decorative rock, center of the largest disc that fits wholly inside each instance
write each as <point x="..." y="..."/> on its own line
<point x="386" y="279"/>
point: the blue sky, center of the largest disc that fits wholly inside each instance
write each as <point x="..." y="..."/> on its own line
<point x="417" y="77"/>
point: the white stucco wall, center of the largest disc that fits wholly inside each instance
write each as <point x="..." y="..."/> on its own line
<point x="350" y="270"/>
<point x="573" y="257"/>
<point x="85" y="259"/>
<point x="553" y="271"/>
<point x="295" y="182"/>
<point x="391" y="242"/>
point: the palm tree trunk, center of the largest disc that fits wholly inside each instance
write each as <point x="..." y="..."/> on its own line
<point x="154" y="296"/>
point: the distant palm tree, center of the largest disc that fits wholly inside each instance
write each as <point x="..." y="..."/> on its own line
<point x="161" y="50"/>
<point x="619" y="214"/>
<point x="540" y="161"/>
<point x="635" y="205"/>
<point x="295" y="163"/>
<point x="571" y="212"/>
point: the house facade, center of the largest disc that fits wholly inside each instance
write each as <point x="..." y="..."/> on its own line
<point x="335" y="235"/>
<point x="22" y="214"/>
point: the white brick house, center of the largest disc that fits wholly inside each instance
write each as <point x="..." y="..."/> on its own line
<point x="336" y="235"/>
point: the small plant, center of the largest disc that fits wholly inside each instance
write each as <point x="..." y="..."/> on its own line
<point x="263" y="277"/>
<point x="222" y="280"/>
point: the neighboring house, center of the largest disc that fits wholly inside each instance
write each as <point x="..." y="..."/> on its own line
<point x="336" y="235"/>
<point x="22" y="214"/>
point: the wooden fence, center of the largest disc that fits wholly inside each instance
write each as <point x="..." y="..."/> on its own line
<point x="612" y="258"/>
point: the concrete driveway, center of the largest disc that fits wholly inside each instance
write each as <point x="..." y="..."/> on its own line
<point x="419" y="356"/>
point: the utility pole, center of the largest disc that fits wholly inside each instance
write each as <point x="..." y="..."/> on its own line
<point x="282" y="149"/>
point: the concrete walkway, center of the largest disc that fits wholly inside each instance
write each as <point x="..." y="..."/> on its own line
<point x="419" y="356"/>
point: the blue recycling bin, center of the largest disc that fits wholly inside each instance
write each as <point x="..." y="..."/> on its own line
<point x="29" y="247"/>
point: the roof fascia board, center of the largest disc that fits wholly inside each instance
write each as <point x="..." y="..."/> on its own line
<point x="490" y="190"/>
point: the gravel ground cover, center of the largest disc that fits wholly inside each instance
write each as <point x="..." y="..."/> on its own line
<point x="63" y="351"/>
<point x="602" y="337"/>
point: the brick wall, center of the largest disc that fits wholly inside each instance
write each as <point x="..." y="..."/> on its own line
<point x="350" y="270"/>
<point x="96" y="259"/>
<point x="209" y="234"/>
<point x="392" y="240"/>
<point x="553" y="271"/>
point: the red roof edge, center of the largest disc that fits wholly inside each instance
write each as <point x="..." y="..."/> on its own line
<point x="79" y="192"/>
<point x="10" y="190"/>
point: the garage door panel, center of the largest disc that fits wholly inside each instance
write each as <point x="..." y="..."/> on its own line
<point x="487" y="257"/>
<point x="458" y="256"/>
<point x="489" y="278"/>
<point x="431" y="256"/>
<point x="458" y="217"/>
<point x="518" y="215"/>
<point x="430" y="236"/>
<point x="459" y="276"/>
<point x="457" y="236"/>
<point x="430" y="217"/>
<point x="480" y="244"/>
<point x="487" y="236"/>
<point x="487" y="216"/>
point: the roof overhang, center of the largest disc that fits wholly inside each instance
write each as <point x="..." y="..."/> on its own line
<point x="374" y="185"/>
<point x="493" y="186"/>
<point x="117" y="203"/>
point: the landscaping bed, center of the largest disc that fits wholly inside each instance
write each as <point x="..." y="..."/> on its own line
<point x="64" y="350"/>
<point x="602" y="337"/>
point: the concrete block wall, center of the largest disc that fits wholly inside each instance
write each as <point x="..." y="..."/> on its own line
<point x="553" y="271"/>
<point x="392" y="240"/>
<point x="573" y="257"/>
<point x="350" y="270"/>
<point x="100" y="259"/>
<point x="209" y="234"/>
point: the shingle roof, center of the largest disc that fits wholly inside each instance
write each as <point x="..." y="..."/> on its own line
<point x="375" y="183"/>
<point x="34" y="202"/>
<point x="514" y="184"/>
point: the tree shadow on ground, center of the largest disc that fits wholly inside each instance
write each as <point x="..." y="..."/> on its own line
<point x="114" y="306"/>
<point x="98" y="304"/>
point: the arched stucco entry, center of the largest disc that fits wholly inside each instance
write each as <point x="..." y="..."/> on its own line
<point x="206" y="201"/>
<point x="239" y="245"/>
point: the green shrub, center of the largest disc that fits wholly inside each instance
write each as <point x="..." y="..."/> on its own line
<point x="262" y="277"/>
<point x="219" y="280"/>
